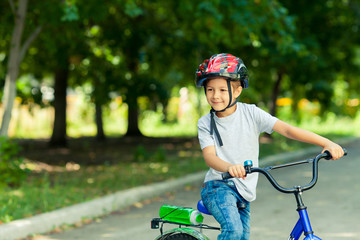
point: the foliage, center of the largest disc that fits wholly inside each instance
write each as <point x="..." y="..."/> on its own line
<point x="142" y="155"/>
<point x="12" y="172"/>
<point x="135" y="49"/>
<point x="70" y="12"/>
<point x="330" y="49"/>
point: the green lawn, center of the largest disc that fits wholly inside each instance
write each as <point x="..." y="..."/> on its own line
<point x="63" y="177"/>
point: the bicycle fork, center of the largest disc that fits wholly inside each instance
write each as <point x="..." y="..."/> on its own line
<point x="303" y="224"/>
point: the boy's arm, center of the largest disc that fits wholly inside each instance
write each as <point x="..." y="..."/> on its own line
<point x="213" y="161"/>
<point x="302" y="135"/>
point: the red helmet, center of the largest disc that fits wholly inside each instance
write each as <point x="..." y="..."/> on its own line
<point x="222" y="65"/>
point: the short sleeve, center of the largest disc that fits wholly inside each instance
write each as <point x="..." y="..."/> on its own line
<point x="265" y="121"/>
<point x="204" y="136"/>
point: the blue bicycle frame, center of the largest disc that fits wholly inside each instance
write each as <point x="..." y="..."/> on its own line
<point x="303" y="226"/>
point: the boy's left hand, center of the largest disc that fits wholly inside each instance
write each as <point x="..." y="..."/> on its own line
<point x="335" y="150"/>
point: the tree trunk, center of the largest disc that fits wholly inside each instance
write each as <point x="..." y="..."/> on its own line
<point x="275" y="94"/>
<point x="296" y="97"/>
<point x="99" y="122"/>
<point x="133" y="116"/>
<point x="58" y="138"/>
<point x="131" y="99"/>
<point x="13" y="66"/>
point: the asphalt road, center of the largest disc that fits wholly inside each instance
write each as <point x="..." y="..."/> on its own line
<point x="333" y="206"/>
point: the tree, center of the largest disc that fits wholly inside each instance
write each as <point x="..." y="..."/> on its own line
<point x="141" y="27"/>
<point x="61" y="73"/>
<point x="329" y="31"/>
<point x="16" y="54"/>
<point x="52" y="55"/>
<point x="171" y="37"/>
<point x="40" y="13"/>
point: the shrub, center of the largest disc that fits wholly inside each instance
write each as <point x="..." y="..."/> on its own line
<point x="12" y="168"/>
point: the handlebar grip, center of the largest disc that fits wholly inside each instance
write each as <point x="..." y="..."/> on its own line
<point x="226" y="176"/>
<point x="329" y="155"/>
<point x="247" y="165"/>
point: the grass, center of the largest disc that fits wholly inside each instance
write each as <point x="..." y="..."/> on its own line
<point x="51" y="186"/>
<point x="46" y="191"/>
<point x="56" y="181"/>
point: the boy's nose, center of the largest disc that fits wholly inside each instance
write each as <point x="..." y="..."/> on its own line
<point x="216" y="94"/>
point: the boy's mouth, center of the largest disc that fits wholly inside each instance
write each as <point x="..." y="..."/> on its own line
<point x="216" y="102"/>
<point x="217" y="105"/>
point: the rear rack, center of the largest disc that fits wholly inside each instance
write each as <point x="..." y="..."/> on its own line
<point x="155" y="224"/>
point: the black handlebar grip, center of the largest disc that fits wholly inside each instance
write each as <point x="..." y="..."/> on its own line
<point x="226" y="176"/>
<point x="329" y="155"/>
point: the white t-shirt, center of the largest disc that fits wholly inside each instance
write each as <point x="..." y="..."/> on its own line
<point x="240" y="135"/>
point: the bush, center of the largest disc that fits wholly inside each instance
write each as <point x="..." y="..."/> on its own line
<point x="12" y="168"/>
<point x="142" y="155"/>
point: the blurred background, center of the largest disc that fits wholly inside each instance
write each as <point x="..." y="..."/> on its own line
<point x="96" y="93"/>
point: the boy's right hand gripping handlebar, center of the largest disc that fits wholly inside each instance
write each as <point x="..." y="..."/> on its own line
<point x="249" y="169"/>
<point x="247" y="165"/>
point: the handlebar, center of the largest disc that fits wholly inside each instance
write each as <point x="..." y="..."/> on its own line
<point x="249" y="169"/>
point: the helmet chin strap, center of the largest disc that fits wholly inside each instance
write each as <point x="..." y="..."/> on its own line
<point x="213" y="111"/>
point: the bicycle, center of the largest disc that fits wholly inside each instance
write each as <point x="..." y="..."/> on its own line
<point x="302" y="226"/>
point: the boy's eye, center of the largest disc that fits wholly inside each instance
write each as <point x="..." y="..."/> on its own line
<point x="224" y="90"/>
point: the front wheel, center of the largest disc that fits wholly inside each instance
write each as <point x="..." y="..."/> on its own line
<point x="180" y="236"/>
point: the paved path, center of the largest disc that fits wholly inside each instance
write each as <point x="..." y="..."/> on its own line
<point x="333" y="206"/>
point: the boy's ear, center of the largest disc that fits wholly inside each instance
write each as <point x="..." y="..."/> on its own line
<point x="237" y="91"/>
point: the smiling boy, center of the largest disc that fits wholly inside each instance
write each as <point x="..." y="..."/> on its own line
<point x="229" y="135"/>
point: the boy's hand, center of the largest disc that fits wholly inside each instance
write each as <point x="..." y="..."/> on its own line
<point x="237" y="170"/>
<point x="335" y="150"/>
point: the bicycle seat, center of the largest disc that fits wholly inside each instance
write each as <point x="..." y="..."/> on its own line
<point x="201" y="207"/>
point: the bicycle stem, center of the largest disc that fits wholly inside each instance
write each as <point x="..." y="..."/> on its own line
<point x="299" y="201"/>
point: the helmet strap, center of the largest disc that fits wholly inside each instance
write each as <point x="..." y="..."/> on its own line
<point x="213" y="111"/>
<point x="214" y="128"/>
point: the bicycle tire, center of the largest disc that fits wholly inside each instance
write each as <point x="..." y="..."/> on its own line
<point x="180" y="236"/>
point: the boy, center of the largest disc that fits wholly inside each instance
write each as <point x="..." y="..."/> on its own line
<point x="229" y="135"/>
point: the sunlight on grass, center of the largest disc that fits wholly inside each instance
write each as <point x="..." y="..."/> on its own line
<point x="46" y="191"/>
<point x="180" y="120"/>
<point x="334" y="125"/>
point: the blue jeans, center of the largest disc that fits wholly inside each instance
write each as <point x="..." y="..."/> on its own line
<point x="222" y="199"/>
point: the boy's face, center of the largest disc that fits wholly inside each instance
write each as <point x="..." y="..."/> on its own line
<point x="217" y="93"/>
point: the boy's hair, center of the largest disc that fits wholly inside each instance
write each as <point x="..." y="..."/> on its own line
<point x="236" y="84"/>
